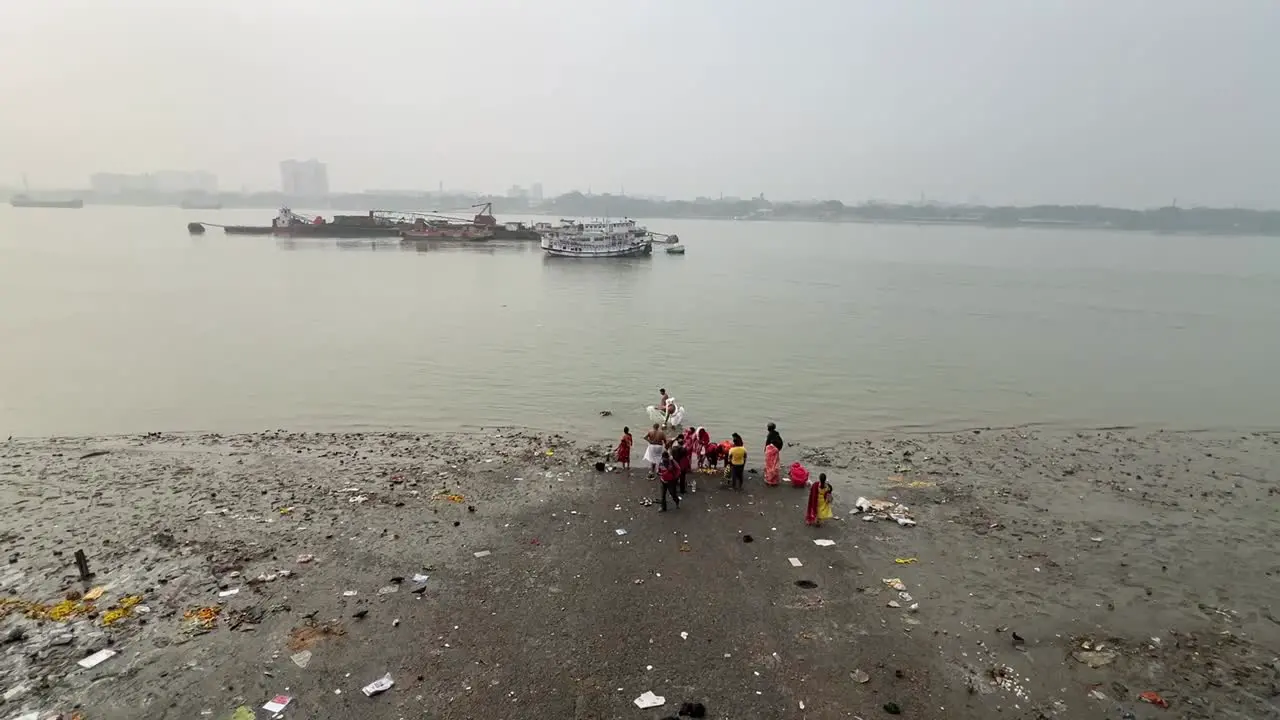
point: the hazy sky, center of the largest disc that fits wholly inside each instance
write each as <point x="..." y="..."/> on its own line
<point x="1129" y="102"/>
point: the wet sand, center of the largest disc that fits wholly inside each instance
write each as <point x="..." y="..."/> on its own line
<point x="1056" y="575"/>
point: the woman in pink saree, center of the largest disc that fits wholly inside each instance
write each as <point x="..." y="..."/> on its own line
<point x="773" y="456"/>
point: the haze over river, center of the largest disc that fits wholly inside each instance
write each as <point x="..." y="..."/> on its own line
<point x="115" y="320"/>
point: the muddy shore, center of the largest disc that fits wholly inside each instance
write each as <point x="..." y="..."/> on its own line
<point x="1054" y="575"/>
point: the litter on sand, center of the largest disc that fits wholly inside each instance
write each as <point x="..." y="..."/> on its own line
<point x="382" y="684"/>
<point x="97" y="658"/>
<point x="1153" y="698"/>
<point x="895" y="584"/>
<point x="229" y="593"/>
<point x="482" y="553"/>
<point x="94" y="594"/>
<point x="620" y="531"/>
<point x="277" y="703"/>
<point x="648" y="700"/>
<point x="795" y="562"/>
<point x="301" y="659"/>
<point x="824" y="543"/>
<point x="884" y="510"/>
<point x="906" y="561"/>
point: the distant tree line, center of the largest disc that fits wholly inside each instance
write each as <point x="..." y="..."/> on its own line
<point x="1199" y="220"/>
<point x="1233" y="221"/>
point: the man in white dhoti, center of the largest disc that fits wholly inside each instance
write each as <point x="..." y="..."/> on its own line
<point x="657" y="445"/>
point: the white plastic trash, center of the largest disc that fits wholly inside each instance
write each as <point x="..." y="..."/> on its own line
<point x="649" y="700"/>
<point x="382" y="684"/>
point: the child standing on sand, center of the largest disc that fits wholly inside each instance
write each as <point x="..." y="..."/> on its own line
<point x="623" y="454"/>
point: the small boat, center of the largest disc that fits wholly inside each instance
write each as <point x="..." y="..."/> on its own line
<point x="675" y="249"/>
<point x="597" y="239"/>
<point x="30" y="202"/>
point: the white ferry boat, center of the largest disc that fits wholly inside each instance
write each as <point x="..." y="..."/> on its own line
<point x="597" y="239"/>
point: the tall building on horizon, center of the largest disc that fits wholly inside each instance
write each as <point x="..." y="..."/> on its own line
<point x="304" y="178"/>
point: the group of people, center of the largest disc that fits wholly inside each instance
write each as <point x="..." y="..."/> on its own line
<point x="672" y="455"/>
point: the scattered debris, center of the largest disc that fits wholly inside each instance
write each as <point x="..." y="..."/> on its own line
<point x="795" y="562"/>
<point x="1153" y="698"/>
<point x="94" y="594"/>
<point x="304" y="559"/>
<point x="482" y="553"/>
<point x="201" y="620"/>
<point x="93" y="454"/>
<point x="620" y="531"/>
<point x="884" y="510"/>
<point x="747" y="539"/>
<point x="892" y="708"/>
<point x="301" y="659"/>
<point x="894" y="584"/>
<point x="648" y="700"/>
<point x="824" y="543"/>
<point x="860" y="677"/>
<point x="380" y="685"/>
<point x="306" y="636"/>
<point x="277" y="703"/>
<point x="906" y="561"/>
<point x="1094" y="658"/>
<point x="97" y="658"/>
<point x="121" y="610"/>
<point x="229" y="593"/>
<point x="419" y="584"/>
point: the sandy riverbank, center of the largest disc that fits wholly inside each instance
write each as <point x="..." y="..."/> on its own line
<point x="1156" y="549"/>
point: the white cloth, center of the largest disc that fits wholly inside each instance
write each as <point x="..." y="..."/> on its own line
<point x="653" y="454"/>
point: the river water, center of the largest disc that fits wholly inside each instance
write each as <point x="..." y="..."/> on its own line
<point x="115" y="320"/>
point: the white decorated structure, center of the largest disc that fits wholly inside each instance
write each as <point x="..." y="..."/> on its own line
<point x="596" y="238"/>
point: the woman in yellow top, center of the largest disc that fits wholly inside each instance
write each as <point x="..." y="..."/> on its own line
<point x="737" y="462"/>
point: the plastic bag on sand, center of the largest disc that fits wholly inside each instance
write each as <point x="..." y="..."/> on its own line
<point x="382" y="684"/>
<point x="649" y="700"/>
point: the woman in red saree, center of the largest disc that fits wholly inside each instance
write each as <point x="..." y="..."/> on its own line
<point x="819" y="507"/>
<point x="773" y="456"/>
<point x="701" y="439"/>
<point x="623" y="454"/>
